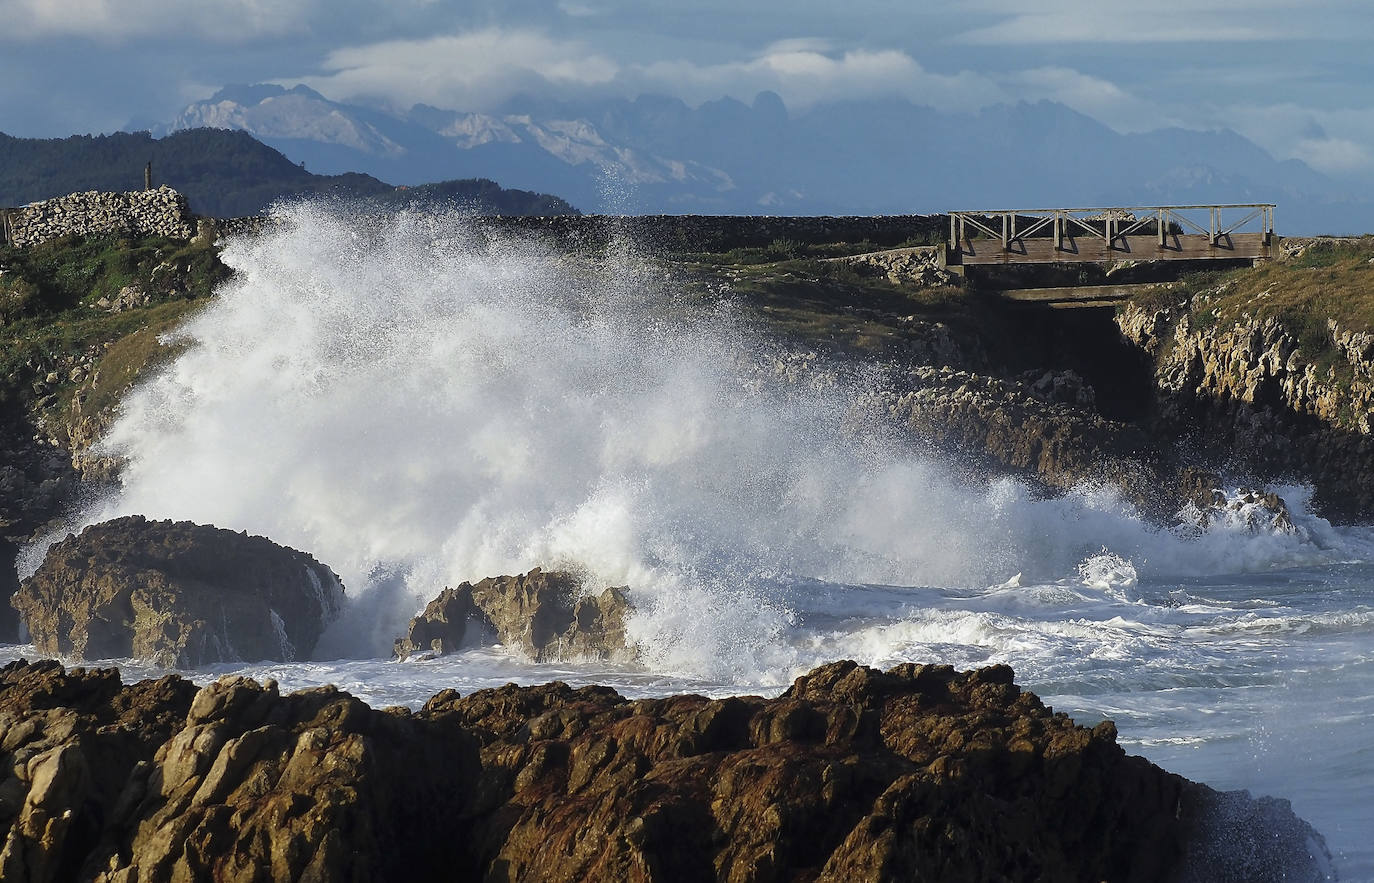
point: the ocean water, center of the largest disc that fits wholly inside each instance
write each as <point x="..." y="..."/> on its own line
<point x="417" y="404"/>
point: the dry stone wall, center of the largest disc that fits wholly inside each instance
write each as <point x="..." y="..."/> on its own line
<point x="160" y="212"/>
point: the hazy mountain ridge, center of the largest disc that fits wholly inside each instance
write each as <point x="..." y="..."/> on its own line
<point x="659" y="154"/>
<point x="224" y="173"/>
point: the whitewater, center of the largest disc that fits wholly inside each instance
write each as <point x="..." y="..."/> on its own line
<point x="417" y="403"/>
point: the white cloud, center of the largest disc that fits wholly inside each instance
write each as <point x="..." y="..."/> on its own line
<point x="478" y="69"/>
<point x="806" y="72"/>
<point x="1336" y="156"/>
<point x="1334" y="141"/>
<point x="1099" y="98"/>
<point x="1159" y="21"/>
<point x="472" y="70"/>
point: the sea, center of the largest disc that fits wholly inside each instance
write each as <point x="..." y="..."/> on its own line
<point x="417" y="402"/>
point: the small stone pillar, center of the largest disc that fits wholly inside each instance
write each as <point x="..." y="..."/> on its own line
<point x="148" y="176"/>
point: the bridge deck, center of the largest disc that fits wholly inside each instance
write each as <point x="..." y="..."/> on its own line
<point x="1109" y="235"/>
<point x="1177" y="247"/>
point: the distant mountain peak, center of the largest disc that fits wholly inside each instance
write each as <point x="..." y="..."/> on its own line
<point x="875" y="155"/>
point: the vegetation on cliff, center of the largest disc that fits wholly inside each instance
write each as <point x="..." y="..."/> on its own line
<point x="1270" y="370"/>
<point x="77" y="307"/>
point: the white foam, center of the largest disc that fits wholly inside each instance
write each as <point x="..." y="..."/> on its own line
<point x="415" y="411"/>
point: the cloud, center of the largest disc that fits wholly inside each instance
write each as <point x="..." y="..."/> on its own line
<point x="1160" y="21"/>
<point x="1330" y="140"/>
<point x="1335" y="156"/>
<point x="1099" y="98"/>
<point x="471" y="70"/>
<point x="804" y="75"/>
<point x="479" y="69"/>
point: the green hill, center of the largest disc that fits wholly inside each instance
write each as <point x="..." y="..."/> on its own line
<point x="223" y="173"/>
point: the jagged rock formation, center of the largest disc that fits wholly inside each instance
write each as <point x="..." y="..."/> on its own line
<point x="1251" y="392"/>
<point x="852" y="774"/>
<point x="542" y="615"/>
<point x="180" y="594"/>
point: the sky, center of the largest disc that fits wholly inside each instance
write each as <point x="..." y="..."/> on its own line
<point x="1295" y="76"/>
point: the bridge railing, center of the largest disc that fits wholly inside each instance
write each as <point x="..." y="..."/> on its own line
<point x="1111" y="224"/>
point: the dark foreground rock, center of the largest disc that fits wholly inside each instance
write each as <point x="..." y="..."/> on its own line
<point x="180" y="594"/>
<point x="541" y="614"/>
<point x="852" y="774"/>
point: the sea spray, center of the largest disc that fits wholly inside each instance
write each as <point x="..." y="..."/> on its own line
<point x="418" y="404"/>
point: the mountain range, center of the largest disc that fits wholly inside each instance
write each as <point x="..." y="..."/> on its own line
<point x="656" y="154"/>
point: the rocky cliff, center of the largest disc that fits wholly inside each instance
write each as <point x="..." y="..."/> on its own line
<point x="852" y="774"/>
<point x="1258" y="393"/>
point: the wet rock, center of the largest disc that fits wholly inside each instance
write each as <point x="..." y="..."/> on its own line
<point x="444" y="625"/>
<point x="1011" y="424"/>
<point x="180" y="594"/>
<point x="920" y="772"/>
<point x="9" y="584"/>
<point x="541" y="614"/>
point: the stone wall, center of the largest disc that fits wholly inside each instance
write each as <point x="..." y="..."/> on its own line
<point x="679" y="233"/>
<point x="160" y="212"/>
<point x="685" y="233"/>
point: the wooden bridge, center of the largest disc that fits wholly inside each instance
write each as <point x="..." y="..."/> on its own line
<point x="1109" y="235"/>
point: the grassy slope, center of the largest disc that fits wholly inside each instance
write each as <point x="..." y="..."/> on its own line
<point x="1330" y="279"/>
<point x="792" y="290"/>
<point x="49" y="318"/>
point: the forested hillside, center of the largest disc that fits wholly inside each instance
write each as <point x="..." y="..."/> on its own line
<point x="223" y="173"/>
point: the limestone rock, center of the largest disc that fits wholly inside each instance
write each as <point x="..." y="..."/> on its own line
<point x="540" y="614"/>
<point x="1250" y="394"/>
<point x="128" y="298"/>
<point x="181" y="594"/>
<point x="920" y="266"/>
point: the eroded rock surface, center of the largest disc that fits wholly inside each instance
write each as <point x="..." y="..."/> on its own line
<point x="1250" y="393"/>
<point x="178" y="593"/>
<point x="852" y="774"/>
<point x="541" y="614"/>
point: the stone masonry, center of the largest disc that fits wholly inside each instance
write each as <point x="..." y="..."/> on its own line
<point x="160" y="212"/>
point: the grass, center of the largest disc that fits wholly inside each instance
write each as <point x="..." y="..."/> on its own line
<point x="49" y="318"/>
<point x="1329" y="280"/>
<point x="837" y="305"/>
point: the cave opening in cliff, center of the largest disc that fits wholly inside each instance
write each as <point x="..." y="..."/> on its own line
<point x="1088" y="341"/>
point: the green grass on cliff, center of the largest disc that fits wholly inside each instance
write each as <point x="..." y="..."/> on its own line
<point x="49" y="317"/>
<point x="832" y="304"/>
<point x="1329" y="279"/>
